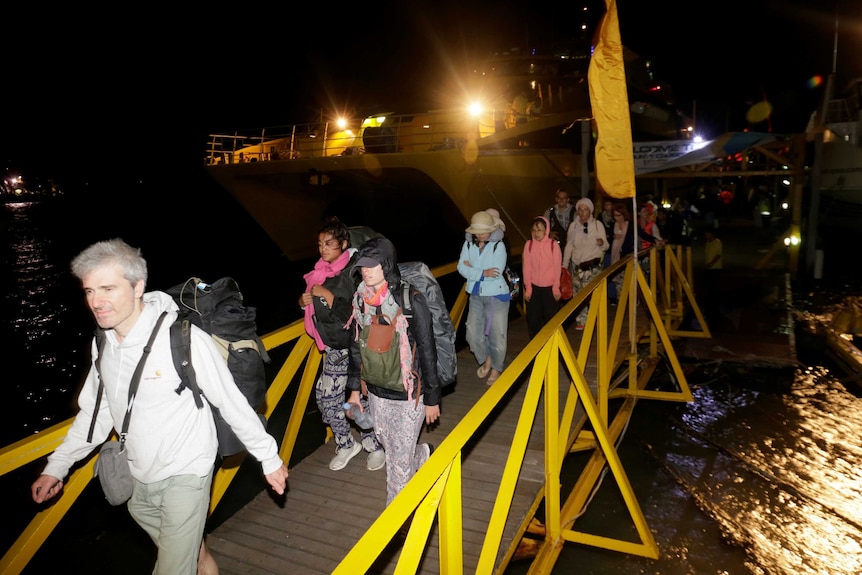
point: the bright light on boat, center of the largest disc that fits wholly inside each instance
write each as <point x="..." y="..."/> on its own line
<point x="791" y="240"/>
<point x="784" y="205"/>
<point x="342" y="123"/>
<point x="475" y="109"/>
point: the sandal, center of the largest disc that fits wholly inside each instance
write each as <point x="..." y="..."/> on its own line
<point x="484" y="369"/>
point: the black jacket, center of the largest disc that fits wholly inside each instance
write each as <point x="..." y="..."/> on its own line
<point x="330" y="322"/>
<point x="420" y="329"/>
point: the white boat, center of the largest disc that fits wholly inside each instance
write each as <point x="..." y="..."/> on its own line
<point x="838" y="163"/>
<point x="416" y="175"/>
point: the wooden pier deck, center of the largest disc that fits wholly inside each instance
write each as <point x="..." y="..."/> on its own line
<point x="325" y="512"/>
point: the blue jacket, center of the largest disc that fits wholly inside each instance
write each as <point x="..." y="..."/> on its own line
<point x="493" y="255"/>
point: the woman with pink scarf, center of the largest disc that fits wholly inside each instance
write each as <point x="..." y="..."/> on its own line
<point x="327" y="302"/>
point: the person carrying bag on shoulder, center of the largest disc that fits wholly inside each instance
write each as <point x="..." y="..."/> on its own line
<point x="326" y="302"/>
<point x="393" y="361"/>
<point x="542" y="276"/>
<point x="482" y="262"/>
<point x="170" y="445"/>
<point x="586" y="245"/>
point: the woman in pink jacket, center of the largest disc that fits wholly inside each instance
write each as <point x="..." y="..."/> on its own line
<point x="543" y="261"/>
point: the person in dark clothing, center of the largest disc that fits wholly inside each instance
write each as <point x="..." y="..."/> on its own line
<point x="327" y="305"/>
<point x="560" y="215"/>
<point x="398" y="414"/>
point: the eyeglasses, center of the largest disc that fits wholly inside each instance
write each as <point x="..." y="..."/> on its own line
<point x="331" y="243"/>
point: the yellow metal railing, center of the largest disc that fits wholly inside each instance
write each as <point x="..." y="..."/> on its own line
<point x="435" y="491"/>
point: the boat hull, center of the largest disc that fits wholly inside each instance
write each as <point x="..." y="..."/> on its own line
<point x="424" y="196"/>
<point x="841" y="171"/>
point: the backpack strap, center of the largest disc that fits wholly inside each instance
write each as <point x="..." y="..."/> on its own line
<point x="406" y="300"/>
<point x="181" y="351"/>
<point x="133" y="384"/>
<point x="100" y="347"/>
<point x="555" y="222"/>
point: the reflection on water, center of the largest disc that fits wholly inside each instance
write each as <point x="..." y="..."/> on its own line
<point x="779" y="471"/>
<point x="41" y="331"/>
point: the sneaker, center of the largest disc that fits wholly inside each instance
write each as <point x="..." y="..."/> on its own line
<point x="343" y="456"/>
<point x="376" y="460"/>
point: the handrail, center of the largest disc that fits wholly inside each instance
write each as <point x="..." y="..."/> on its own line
<point x="435" y="490"/>
<point x="436" y="487"/>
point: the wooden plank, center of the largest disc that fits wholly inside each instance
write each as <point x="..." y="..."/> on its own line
<point x="325" y="512"/>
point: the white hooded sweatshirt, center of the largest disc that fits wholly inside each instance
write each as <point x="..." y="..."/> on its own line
<point x="168" y="435"/>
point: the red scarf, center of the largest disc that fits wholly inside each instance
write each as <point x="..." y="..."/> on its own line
<point x="375" y="298"/>
<point x="322" y="271"/>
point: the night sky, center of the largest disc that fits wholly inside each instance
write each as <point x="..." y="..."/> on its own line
<point x="111" y="91"/>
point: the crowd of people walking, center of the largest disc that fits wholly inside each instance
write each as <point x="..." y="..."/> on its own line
<point x="378" y="348"/>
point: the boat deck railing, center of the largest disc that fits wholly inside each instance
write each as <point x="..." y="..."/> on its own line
<point x="665" y="291"/>
<point x="428" y="131"/>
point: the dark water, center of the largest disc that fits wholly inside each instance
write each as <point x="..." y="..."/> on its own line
<point x="760" y="474"/>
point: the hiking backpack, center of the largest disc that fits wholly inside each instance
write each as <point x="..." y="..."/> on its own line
<point x="418" y="275"/>
<point x="218" y="309"/>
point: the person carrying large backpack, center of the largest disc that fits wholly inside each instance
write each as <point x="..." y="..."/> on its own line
<point x="326" y="302"/>
<point x="170" y="444"/>
<point x="400" y="375"/>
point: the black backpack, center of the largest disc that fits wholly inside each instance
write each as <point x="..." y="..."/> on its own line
<point x="218" y="309"/>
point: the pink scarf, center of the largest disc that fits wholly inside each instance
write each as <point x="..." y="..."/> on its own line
<point x="322" y="271"/>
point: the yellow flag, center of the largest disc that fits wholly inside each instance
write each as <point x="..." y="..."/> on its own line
<point x="615" y="170"/>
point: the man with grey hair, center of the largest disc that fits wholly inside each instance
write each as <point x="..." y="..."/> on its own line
<point x="170" y="443"/>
